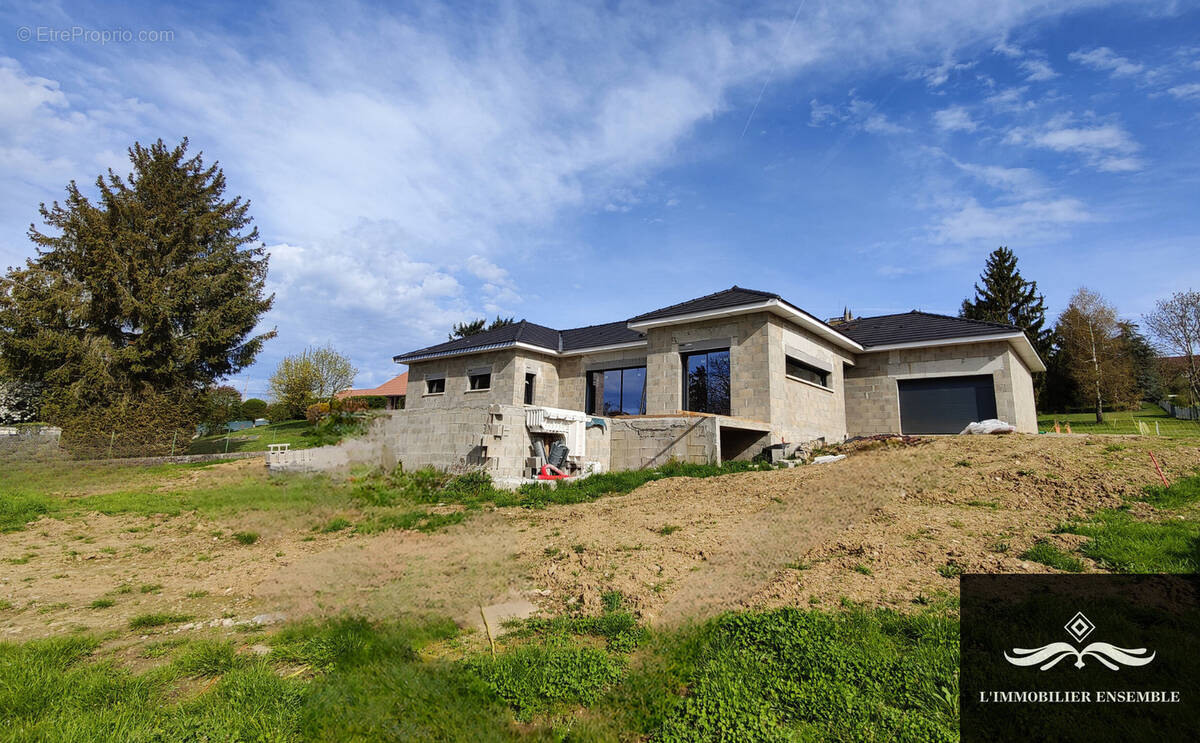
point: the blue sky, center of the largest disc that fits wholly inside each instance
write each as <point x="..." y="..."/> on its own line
<point x="411" y="167"/>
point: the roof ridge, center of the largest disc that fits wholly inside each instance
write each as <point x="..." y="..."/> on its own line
<point x="734" y="288"/>
<point x="936" y="314"/>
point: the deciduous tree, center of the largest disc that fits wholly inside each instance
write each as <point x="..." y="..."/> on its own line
<point x="1176" y="324"/>
<point x="1097" y="355"/>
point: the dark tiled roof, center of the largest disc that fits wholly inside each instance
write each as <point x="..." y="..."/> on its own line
<point x="521" y="332"/>
<point x="913" y="327"/>
<point x="594" y="336"/>
<point x="732" y="297"/>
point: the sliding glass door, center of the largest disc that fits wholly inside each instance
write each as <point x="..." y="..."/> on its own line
<point x="617" y="391"/>
<point x="706" y="384"/>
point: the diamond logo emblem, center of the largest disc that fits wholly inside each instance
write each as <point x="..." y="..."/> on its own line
<point x="1079" y="626"/>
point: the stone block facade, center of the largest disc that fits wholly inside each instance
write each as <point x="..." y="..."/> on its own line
<point x="873" y="397"/>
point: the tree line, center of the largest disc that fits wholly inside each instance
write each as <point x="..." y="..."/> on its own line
<point x="1095" y="360"/>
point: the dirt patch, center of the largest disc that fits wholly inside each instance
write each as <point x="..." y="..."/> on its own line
<point x="886" y="526"/>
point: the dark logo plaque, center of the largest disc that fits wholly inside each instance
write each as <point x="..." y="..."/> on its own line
<point x="1080" y="658"/>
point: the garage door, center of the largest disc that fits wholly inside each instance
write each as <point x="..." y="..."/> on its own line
<point x="945" y="404"/>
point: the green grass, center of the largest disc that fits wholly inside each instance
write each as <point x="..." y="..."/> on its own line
<point x="1047" y="554"/>
<point x="1123" y="422"/>
<point x="245" y="537"/>
<point x="780" y="675"/>
<point x="298" y="434"/>
<point x="1122" y="543"/>
<point x="1167" y="543"/>
<point x="257" y="439"/>
<point x="102" y="603"/>
<point x="146" y="621"/>
<point x="396" y="501"/>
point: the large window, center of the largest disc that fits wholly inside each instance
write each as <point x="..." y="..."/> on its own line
<point x="706" y="384"/>
<point x="435" y="386"/>
<point x="617" y="391"/>
<point x="809" y="373"/>
<point x="480" y="381"/>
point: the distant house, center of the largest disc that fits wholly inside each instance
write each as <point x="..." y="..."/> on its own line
<point x="392" y="390"/>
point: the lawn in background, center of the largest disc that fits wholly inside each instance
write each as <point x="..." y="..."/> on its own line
<point x="1123" y="422"/>
<point x="257" y="439"/>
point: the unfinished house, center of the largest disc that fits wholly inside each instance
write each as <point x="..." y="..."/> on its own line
<point x="714" y="378"/>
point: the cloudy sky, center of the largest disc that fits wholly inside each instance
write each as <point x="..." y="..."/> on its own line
<point x="575" y="164"/>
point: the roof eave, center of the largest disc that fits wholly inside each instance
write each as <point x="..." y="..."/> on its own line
<point x="1017" y="339"/>
<point x="410" y="358"/>
<point x="602" y="349"/>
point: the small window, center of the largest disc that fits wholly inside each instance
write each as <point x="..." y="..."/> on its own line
<point x="809" y="373"/>
<point x="480" y="381"/>
<point x="530" y="380"/>
<point x="435" y="386"/>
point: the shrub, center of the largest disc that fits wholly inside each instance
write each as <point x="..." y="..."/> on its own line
<point x="352" y="405"/>
<point x="316" y="412"/>
<point x="245" y="537"/>
<point x="254" y="408"/>
<point x="278" y="413"/>
<point x="147" y="424"/>
<point x="534" y="679"/>
<point x="374" y="402"/>
<point x="145" y="621"/>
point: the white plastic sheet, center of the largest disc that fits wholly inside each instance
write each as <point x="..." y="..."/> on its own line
<point x="991" y="425"/>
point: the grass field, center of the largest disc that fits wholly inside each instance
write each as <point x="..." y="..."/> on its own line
<point x="299" y="434"/>
<point x="1158" y="532"/>
<point x="1155" y="419"/>
<point x="112" y="566"/>
<point x="767" y="676"/>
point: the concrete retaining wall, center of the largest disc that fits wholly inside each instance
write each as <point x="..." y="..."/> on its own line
<point x="650" y="442"/>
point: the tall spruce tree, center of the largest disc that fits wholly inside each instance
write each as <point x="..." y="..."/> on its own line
<point x="1006" y="297"/>
<point x="155" y="287"/>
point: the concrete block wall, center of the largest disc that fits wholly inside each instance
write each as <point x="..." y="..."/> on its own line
<point x="505" y="389"/>
<point x="545" y="387"/>
<point x="1024" y="401"/>
<point x="873" y="399"/>
<point x="573" y="370"/>
<point x="801" y="411"/>
<point x="650" y="442"/>
<point x="748" y="364"/>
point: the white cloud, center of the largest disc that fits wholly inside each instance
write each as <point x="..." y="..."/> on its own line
<point x="1105" y="59"/>
<point x="938" y="75"/>
<point x="857" y="114"/>
<point x="954" y="119"/>
<point x="1024" y="222"/>
<point x="1018" y="182"/>
<point x="1187" y="91"/>
<point x="397" y="162"/>
<point x="1037" y="70"/>
<point x="1033" y="63"/>
<point x="1010" y="100"/>
<point x="1106" y="147"/>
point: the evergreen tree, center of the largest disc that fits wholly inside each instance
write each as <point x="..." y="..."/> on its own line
<point x="1144" y="359"/>
<point x="1006" y="297"/>
<point x="156" y="286"/>
<point x="474" y="327"/>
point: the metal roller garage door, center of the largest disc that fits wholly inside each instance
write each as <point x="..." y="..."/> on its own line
<point x="945" y="404"/>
